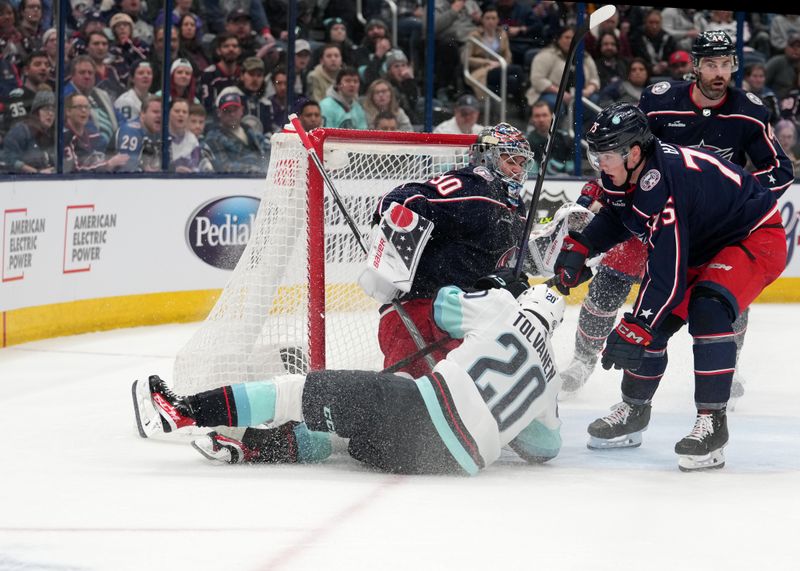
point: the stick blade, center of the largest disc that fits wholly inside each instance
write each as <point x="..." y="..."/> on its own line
<point x="602" y="14"/>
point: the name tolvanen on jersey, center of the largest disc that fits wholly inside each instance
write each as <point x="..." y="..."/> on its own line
<point x="527" y="328"/>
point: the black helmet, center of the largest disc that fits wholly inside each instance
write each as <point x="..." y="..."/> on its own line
<point x="714" y="43"/>
<point x="619" y="126"/>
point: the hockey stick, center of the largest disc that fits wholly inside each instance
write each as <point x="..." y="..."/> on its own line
<point x="595" y="19"/>
<point x="419" y="341"/>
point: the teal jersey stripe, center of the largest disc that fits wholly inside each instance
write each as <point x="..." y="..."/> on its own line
<point x="255" y="402"/>
<point x="443" y="428"/>
<point x="447" y="311"/>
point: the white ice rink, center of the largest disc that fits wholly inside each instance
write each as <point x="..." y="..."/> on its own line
<point x="80" y="490"/>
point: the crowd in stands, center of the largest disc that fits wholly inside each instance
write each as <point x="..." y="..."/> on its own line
<point x="229" y="85"/>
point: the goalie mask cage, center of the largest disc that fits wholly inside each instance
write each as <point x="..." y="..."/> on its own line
<point x="292" y="302"/>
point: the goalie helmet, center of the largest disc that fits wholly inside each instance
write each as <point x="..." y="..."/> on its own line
<point x="498" y="145"/>
<point x="714" y="43"/>
<point x="544" y="302"/>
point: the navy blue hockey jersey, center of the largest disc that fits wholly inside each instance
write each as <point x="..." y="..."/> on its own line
<point x="687" y="205"/>
<point x="475" y="229"/>
<point x="735" y="129"/>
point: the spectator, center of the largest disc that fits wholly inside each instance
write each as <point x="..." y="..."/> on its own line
<point x="653" y="44"/>
<point x="182" y="9"/>
<point x="346" y="10"/>
<point x="782" y="68"/>
<point x="562" y="152"/>
<point x="377" y="61"/>
<point x="29" y="146"/>
<point x="680" y="66"/>
<point x="225" y="72"/>
<point x="185" y="153"/>
<point x="106" y="77"/>
<point x="16" y="104"/>
<point x="183" y="83"/>
<point x="385" y="121"/>
<point x="84" y="148"/>
<point x="609" y="26"/>
<point x="336" y="34"/>
<point x="465" y="118"/>
<point x="455" y="21"/>
<point x="310" y="114"/>
<point x="216" y="11"/>
<point x="782" y="27"/>
<point x="548" y="66"/>
<point x="93" y="22"/>
<point x="684" y="25"/>
<point x="755" y="81"/>
<point x="410" y="14"/>
<point x="254" y="99"/>
<point x="125" y="49"/>
<point x="525" y="31"/>
<point x="629" y="90"/>
<point x="157" y="53"/>
<point x="235" y="146"/>
<point x="280" y="99"/>
<point x="485" y="70"/>
<point x="302" y="58"/>
<point x="103" y="117"/>
<point x="10" y="38"/>
<point x="375" y="30"/>
<point x="324" y="74"/>
<point x="50" y="46"/>
<point x="238" y="23"/>
<point x="141" y="29"/>
<point x="341" y="108"/>
<point x="189" y="43"/>
<point x="197" y="125"/>
<point x="139" y="140"/>
<point x="786" y="133"/>
<point x="401" y="76"/>
<point x="611" y="68"/>
<point x="129" y="104"/>
<point x="723" y="20"/>
<point x="381" y="98"/>
<point x="30" y="24"/>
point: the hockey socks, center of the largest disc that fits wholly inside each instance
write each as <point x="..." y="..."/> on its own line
<point x="714" y="350"/>
<point x="250" y="404"/>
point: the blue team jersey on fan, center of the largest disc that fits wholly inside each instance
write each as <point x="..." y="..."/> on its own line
<point x="476" y="229"/>
<point x="735" y="129"/>
<point x="687" y="205"/>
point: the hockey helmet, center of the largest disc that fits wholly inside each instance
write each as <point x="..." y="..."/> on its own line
<point x="544" y="302"/>
<point x="618" y="127"/>
<point x="499" y="144"/>
<point x="714" y="43"/>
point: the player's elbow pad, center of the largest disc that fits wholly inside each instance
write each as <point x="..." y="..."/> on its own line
<point x="397" y="244"/>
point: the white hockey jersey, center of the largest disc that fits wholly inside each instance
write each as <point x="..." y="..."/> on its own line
<point x="499" y="387"/>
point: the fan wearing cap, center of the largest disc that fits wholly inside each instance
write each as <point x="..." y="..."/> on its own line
<point x="336" y="34"/>
<point x="29" y="146"/>
<point x="680" y="66"/>
<point x="236" y="147"/>
<point x="141" y="28"/>
<point x="125" y="48"/>
<point x="341" y="108"/>
<point x="182" y="81"/>
<point x="396" y="71"/>
<point x="224" y="73"/>
<point x="302" y="58"/>
<point x="465" y="119"/>
<point x="252" y="87"/>
<point x="373" y="31"/>
<point x="129" y="104"/>
<point x="238" y="23"/>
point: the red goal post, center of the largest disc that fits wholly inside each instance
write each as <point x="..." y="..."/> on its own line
<point x="292" y="303"/>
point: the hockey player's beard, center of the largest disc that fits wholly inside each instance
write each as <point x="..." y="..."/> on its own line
<point x="709" y="91"/>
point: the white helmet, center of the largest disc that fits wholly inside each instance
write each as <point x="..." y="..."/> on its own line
<point x="544" y="302"/>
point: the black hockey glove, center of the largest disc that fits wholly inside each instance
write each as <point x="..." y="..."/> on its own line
<point x="625" y="345"/>
<point x="504" y="279"/>
<point x="570" y="267"/>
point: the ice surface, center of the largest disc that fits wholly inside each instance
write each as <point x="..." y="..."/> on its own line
<point x="80" y="490"/>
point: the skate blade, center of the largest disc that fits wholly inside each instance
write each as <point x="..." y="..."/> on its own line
<point x="711" y="461"/>
<point x="148" y="421"/>
<point x="205" y="447"/>
<point x="632" y="440"/>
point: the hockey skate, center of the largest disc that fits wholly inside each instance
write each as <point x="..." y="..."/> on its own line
<point x="158" y="409"/>
<point x="577" y="373"/>
<point x="621" y="429"/>
<point x="225" y="449"/>
<point x="702" y="448"/>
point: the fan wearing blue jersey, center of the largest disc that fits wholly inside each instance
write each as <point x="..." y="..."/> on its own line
<point x="706" y="113"/>
<point x="715" y="240"/>
<point x="498" y="388"/>
<point x="140" y="139"/>
<point x="476" y="220"/>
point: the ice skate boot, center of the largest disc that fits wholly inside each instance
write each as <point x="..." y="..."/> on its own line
<point x="172" y="410"/>
<point x="577" y="373"/>
<point x="702" y="448"/>
<point x="225" y="449"/>
<point x="621" y="429"/>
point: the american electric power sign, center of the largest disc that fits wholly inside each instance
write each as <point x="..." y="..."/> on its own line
<point x="218" y="231"/>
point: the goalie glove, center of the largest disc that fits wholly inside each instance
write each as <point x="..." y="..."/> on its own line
<point x="397" y="244"/>
<point x="546" y="239"/>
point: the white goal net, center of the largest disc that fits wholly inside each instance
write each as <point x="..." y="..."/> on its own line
<point x="292" y="302"/>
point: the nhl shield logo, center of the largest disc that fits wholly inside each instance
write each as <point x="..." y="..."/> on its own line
<point x="484" y="173"/>
<point x="650" y="179"/>
<point x="661" y="87"/>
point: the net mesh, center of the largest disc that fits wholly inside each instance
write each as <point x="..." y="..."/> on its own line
<point x="259" y="326"/>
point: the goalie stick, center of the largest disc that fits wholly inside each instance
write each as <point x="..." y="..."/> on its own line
<point x="595" y="19"/>
<point x="419" y="341"/>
